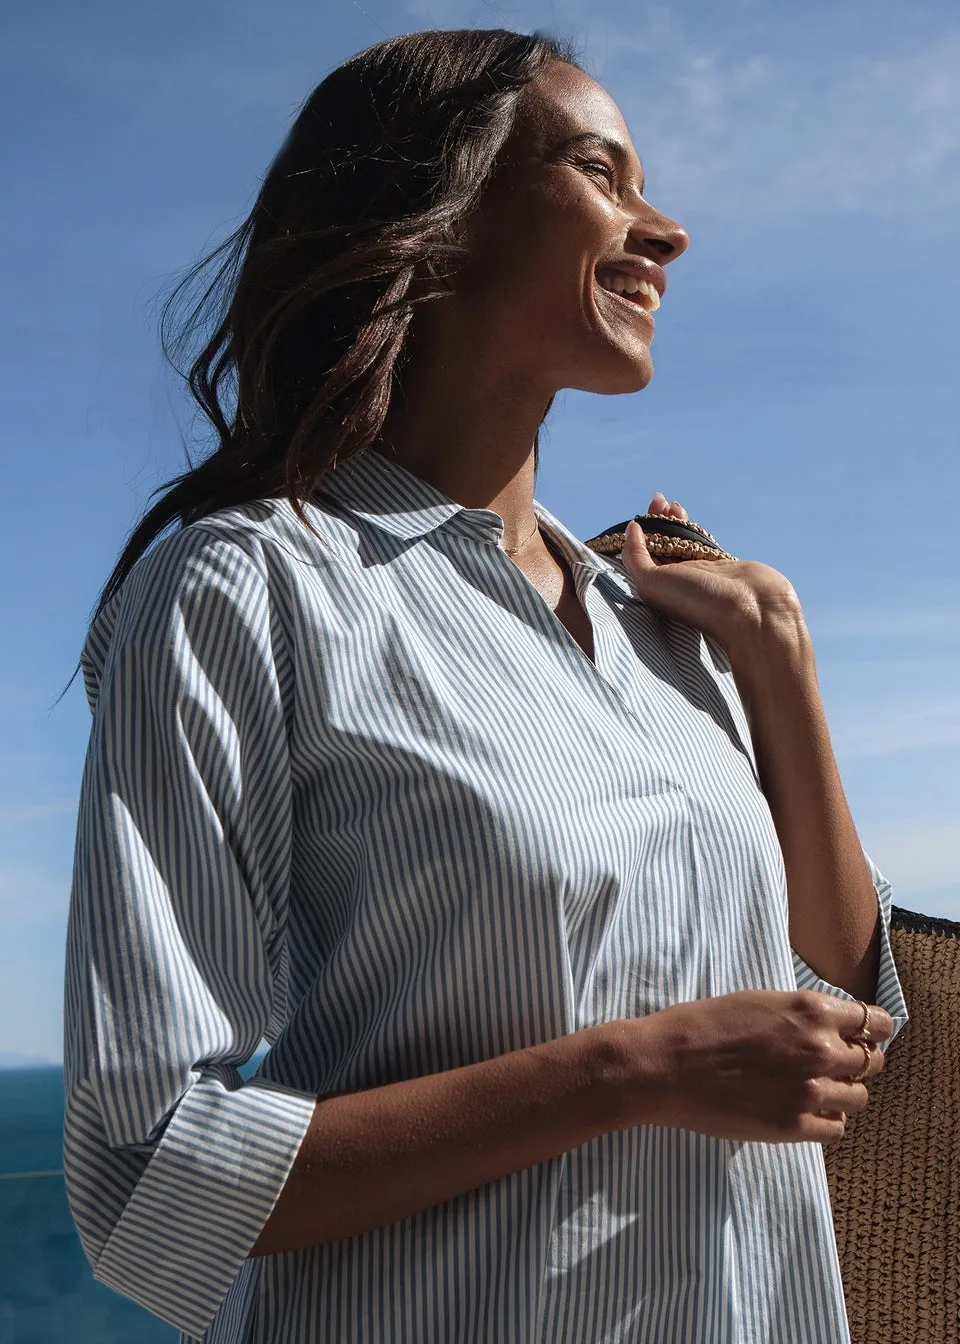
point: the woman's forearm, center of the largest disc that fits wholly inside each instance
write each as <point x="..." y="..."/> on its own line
<point x="373" y="1157"/>
<point x="834" y="915"/>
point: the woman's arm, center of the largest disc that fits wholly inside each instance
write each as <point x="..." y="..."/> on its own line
<point x="177" y="930"/>
<point x="839" y="904"/>
<point x="370" y="1158"/>
<point x="761" y="1065"/>
<point x="837" y="928"/>
<point x="834" y="917"/>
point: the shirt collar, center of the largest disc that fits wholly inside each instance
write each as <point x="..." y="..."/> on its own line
<point x="580" y="556"/>
<point x="386" y="495"/>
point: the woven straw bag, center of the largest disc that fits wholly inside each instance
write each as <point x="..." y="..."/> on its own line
<point x="894" y="1177"/>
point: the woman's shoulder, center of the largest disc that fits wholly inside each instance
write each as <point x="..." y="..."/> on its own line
<point x="272" y="530"/>
<point x="262" y="535"/>
<point x="240" y="555"/>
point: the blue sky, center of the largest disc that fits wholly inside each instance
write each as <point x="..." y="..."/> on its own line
<point x="805" y="406"/>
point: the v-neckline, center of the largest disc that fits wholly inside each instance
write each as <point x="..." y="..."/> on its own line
<point x="569" y="587"/>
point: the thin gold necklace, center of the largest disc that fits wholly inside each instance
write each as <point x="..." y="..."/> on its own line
<point x="514" y="550"/>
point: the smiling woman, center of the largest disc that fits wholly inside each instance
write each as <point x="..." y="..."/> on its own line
<point x="531" y="864"/>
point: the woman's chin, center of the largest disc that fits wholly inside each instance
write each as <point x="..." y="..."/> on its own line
<point x="624" y="375"/>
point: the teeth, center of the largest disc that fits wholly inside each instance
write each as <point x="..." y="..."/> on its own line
<point x="621" y="282"/>
<point x="650" y="292"/>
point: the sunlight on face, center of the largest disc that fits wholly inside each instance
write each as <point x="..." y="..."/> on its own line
<point x="567" y="256"/>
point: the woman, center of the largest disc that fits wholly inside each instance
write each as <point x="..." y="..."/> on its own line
<point x="515" y="855"/>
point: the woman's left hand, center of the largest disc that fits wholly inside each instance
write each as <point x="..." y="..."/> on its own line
<point x="727" y="599"/>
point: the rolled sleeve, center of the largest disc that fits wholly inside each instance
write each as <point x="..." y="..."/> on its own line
<point x="176" y="944"/>
<point x="202" y="1200"/>
<point x="889" y="992"/>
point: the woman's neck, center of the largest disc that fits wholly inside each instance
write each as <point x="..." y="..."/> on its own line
<point x="468" y="428"/>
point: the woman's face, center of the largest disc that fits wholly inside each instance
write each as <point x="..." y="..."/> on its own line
<point x="566" y="256"/>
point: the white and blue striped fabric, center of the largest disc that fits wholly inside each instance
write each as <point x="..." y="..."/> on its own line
<point x="365" y="796"/>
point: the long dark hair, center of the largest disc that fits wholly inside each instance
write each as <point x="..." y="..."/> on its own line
<point x="302" y="312"/>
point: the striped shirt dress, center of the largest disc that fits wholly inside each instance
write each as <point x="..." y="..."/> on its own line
<point x="363" y="796"/>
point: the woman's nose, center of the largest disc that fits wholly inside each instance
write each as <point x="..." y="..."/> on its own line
<point x="661" y="235"/>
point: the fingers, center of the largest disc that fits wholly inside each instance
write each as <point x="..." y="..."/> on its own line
<point x="826" y="1130"/>
<point x="660" y="504"/>
<point x="845" y="1015"/>
<point x="835" y="1097"/>
<point x="844" y="1093"/>
<point x="856" y="1058"/>
<point x="879" y="1021"/>
<point x="636" y="557"/>
<point x="838" y="1023"/>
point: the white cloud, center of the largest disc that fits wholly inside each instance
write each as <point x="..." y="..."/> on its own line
<point x="738" y="114"/>
<point x="736" y="132"/>
<point x="751" y="120"/>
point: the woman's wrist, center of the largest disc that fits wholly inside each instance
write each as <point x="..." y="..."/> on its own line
<point x="628" y="1070"/>
<point x="770" y="646"/>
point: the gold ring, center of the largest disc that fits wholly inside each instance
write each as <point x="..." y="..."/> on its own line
<point x="867" y="1048"/>
<point x="863" y="1031"/>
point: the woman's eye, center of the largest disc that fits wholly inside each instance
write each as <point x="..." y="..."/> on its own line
<point x="597" y="166"/>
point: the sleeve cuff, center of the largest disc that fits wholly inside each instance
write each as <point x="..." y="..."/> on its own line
<point x="204" y="1197"/>
<point x="889" y="994"/>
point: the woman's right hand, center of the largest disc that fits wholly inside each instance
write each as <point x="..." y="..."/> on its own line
<point x="768" y="1065"/>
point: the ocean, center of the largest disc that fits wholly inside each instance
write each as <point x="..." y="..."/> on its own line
<point x="48" y="1294"/>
